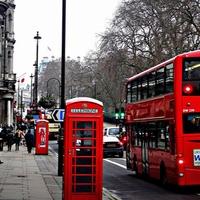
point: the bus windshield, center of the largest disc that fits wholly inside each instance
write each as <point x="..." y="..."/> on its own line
<point x="191" y="69"/>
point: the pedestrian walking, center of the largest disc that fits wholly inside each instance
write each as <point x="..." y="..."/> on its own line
<point x="8" y="136"/>
<point x="4" y="133"/>
<point x="29" y="137"/>
<point x="10" y="139"/>
<point x="18" y="136"/>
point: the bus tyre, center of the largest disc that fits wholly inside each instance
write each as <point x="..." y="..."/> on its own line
<point x="163" y="175"/>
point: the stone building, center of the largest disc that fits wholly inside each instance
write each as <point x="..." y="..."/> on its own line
<point x="7" y="77"/>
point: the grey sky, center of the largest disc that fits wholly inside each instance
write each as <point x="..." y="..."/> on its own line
<point x="85" y="19"/>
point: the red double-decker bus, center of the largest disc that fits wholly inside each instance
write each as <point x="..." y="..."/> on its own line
<point x="162" y="118"/>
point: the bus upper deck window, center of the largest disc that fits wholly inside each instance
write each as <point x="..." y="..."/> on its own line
<point x="191" y="69"/>
<point x="191" y="77"/>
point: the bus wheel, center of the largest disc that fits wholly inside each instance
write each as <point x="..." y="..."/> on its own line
<point x="163" y="175"/>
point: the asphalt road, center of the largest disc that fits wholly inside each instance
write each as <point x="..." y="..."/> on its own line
<point x="124" y="185"/>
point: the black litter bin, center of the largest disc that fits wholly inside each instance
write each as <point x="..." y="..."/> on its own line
<point x="1" y="144"/>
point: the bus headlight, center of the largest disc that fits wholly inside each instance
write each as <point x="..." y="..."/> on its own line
<point x="181" y="174"/>
<point x="180" y="161"/>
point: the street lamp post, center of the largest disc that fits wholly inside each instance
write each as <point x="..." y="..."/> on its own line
<point x="31" y="76"/>
<point x="62" y="101"/>
<point x="21" y="105"/>
<point x="37" y="37"/>
<point x="18" y="94"/>
<point x="19" y="79"/>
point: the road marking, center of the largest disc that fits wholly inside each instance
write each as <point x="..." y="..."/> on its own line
<point x="114" y="163"/>
<point x="109" y="195"/>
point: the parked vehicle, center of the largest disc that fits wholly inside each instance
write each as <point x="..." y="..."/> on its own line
<point x="112" y="146"/>
<point x="112" y="131"/>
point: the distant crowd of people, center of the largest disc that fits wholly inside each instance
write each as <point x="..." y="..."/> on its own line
<point x="22" y="134"/>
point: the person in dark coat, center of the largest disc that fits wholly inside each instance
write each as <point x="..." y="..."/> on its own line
<point x="10" y="140"/>
<point x="29" y="137"/>
<point x="9" y="136"/>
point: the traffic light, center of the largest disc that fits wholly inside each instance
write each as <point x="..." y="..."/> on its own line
<point x="117" y="113"/>
<point x="122" y="113"/>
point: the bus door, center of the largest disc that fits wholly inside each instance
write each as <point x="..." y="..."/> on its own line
<point x="144" y="150"/>
<point x="83" y="155"/>
<point x="191" y="130"/>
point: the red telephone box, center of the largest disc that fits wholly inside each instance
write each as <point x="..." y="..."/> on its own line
<point x="42" y="137"/>
<point x="83" y="149"/>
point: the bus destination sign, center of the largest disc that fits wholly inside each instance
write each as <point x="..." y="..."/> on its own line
<point x="84" y="110"/>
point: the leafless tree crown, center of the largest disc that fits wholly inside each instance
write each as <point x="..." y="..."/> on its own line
<point x="142" y="33"/>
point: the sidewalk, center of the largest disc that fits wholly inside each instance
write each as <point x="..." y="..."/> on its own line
<point x="26" y="176"/>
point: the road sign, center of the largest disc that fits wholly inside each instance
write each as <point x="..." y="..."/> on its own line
<point x="58" y="115"/>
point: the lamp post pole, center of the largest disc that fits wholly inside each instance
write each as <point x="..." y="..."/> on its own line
<point x="18" y="90"/>
<point x="18" y="94"/>
<point x="21" y="105"/>
<point x="37" y="37"/>
<point x="62" y="101"/>
<point x="31" y="76"/>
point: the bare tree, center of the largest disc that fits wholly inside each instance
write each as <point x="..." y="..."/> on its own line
<point x="50" y="79"/>
<point x="142" y="33"/>
<point x="153" y="30"/>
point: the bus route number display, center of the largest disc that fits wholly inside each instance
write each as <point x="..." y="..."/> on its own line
<point x="196" y="155"/>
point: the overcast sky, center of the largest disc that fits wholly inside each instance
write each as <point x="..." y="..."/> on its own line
<point x="85" y="19"/>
